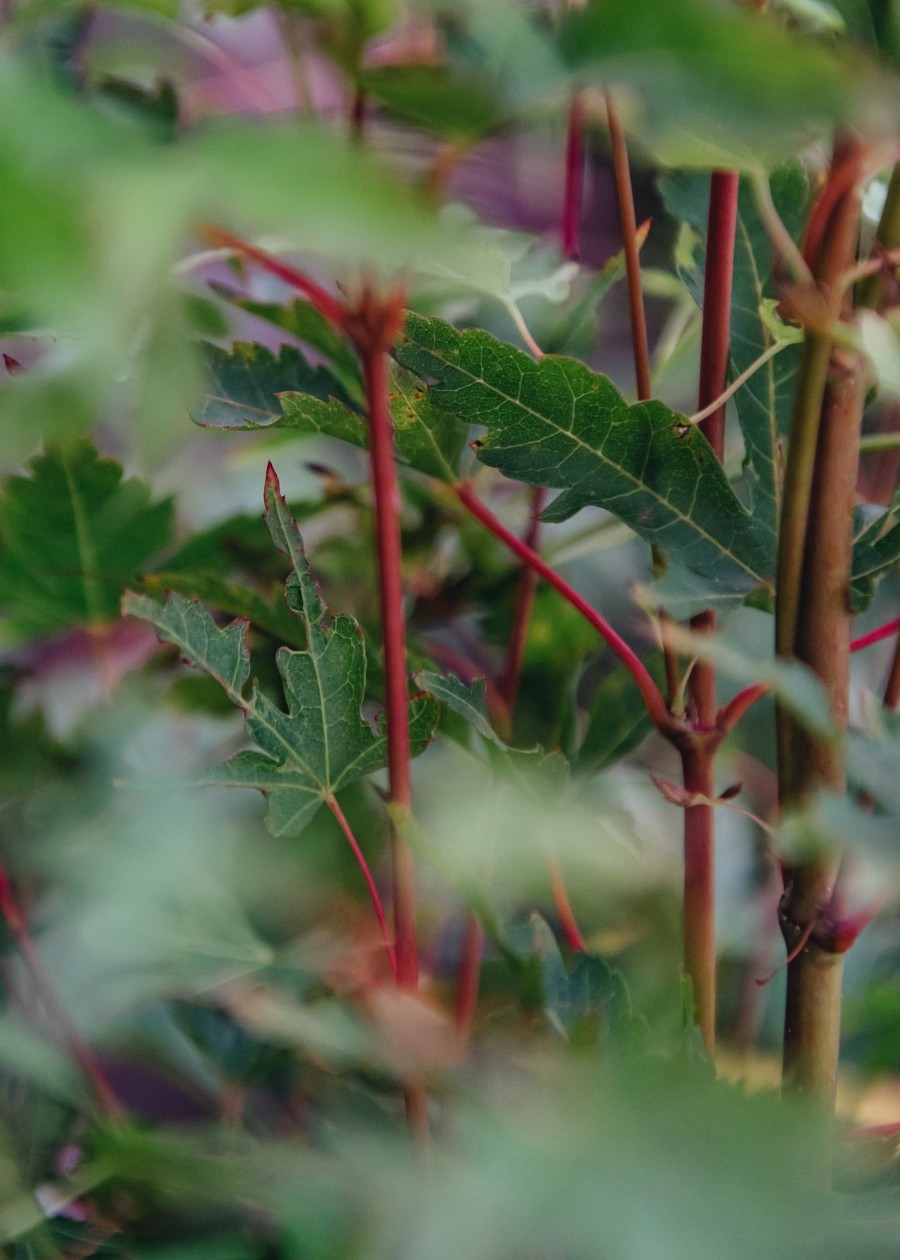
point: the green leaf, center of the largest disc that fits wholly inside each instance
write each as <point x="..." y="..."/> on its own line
<point x="715" y="86"/>
<point x="428" y="439"/>
<point x="73" y="534"/>
<point x="617" y="722"/>
<point x="556" y="423"/>
<point x="468" y="700"/>
<point x="322" y="744"/>
<point x="243" y="384"/>
<point x="876" y="549"/>
<point x="300" y="319"/>
<point x="766" y="400"/>
<point x="426" y="96"/>
<point x="231" y="599"/>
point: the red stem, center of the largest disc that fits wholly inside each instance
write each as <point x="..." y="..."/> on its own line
<point x="393" y="631"/>
<point x="875" y="636"/>
<point x="892" y="689"/>
<point x="332" y="309"/>
<point x="75" y="1043"/>
<point x="649" y="692"/>
<point x="571" y="930"/>
<point x="697" y="759"/>
<point x="469" y="974"/>
<point x="714" y="343"/>
<point x="573" y="190"/>
<point x="370" y="882"/>
<point x="374" y="355"/>
<point x="525" y="595"/>
<point x="731" y="713"/>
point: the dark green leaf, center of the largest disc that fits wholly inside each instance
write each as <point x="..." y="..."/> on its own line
<point x="617" y="722"/>
<point x="73" y="534"/>
<point x="556" y="423"/>
<point x="428" y="439"/>
<point x="322" y="744"/>
<point x="243" y="384"/>
<point x="301" y="320"/>
<point x="876" y="549"/>
<point x="466" y="700"/>
<point x="428" y="97"/>
<point x="231" y="599"/>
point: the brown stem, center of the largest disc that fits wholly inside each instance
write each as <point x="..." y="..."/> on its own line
<point x="87" y="1061"/>
<point x="628" y="225"/>
<point x="813" y="626"/>
<point x="639" y="344"/>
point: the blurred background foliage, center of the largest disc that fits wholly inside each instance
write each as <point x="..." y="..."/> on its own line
<point x="232" y="984"/>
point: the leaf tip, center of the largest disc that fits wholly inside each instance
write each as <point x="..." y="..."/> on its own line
<point x="273" y="485"/>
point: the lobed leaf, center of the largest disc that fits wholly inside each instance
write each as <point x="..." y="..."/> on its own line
<point x="73" y="534"/>
<point x="243" y="384"/>
<point x="427" y="438"/>
<point x="556" y="423"/>
<point x="322" y="743"/>
<point x="876" y="550"/>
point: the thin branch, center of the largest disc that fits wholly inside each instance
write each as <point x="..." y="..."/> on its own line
<point x="892" y="688"/>
<point x="873" y="443"/>
<point x="367" y="876"/>
<point x="573" y="188"/>
<point x="570" y="928"/>
<point x="327" y="305"/>
<point x="650" y="693"/>
<point x="875" y="636"/>
<point x="508" y="685"/>
<point x="736" y="384"/>
<point x="628" y="224"/>
<point x="523" y="330"/>
<point x="731" y="713"/>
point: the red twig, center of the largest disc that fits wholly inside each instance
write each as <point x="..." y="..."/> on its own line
<point x="367" y="876"/>
<point x="508" y="685"/>
<point x="573" y="190"/>
<point x="731" y="713"/>
<point x="331" y="307"/>
<point x="570" y="928"/>
<point x="74" y="1042"/>
<point x="875" y="636"/>
<point x="649" y="692"/>
<point x="372" y="326"/>
<point x="469" y="974"/>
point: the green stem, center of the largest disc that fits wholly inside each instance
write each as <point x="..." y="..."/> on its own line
<point x="813" y="623"/>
